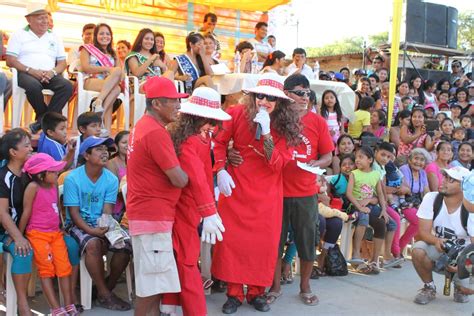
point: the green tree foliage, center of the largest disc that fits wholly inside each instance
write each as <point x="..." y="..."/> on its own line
<point x="466" y="30"/>
<point x="347" y="45"/>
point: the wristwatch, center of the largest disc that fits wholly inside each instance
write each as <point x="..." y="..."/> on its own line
<point x="27" y="69"/>
<point x="54" y="72"/>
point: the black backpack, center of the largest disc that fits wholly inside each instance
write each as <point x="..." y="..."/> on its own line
<point x="438" y="202"/>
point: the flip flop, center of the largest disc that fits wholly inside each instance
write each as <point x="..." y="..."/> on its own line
<point x="364" y="269"/>
<point x="309" y="299"/>
<point x="356" y="261"/>
<point x="272" y="297"/>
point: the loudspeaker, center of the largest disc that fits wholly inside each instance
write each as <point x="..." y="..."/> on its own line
<point x="431" y="24"/>
<point x="452" y="28"/>
<point x="435" y="24"/>
<point x="435" y="75"/>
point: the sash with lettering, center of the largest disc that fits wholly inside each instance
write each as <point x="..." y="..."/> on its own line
<point x="141" y="60"/>
<point x="101" y="57"/>
<point x="187" y="66"/>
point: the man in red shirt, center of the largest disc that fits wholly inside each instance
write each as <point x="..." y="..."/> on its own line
<point x="154" y="182"/>
<point x="300" y="203"/>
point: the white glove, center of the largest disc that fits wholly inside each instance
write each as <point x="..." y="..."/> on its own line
<point x="211" y="228"/>
<point x="225" y="182"/>
<point x="263" y="118"/>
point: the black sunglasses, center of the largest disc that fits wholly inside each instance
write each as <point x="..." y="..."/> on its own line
<point x="301" y="93"/>
<point x="270" y="98"/>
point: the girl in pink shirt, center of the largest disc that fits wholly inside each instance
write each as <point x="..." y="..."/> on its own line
<point x="42" y="222"/>
<point x="332" y="113"/>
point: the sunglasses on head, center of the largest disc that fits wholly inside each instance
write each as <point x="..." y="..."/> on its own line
<point x="270" y="98"/>
<point x="301" y="93"/>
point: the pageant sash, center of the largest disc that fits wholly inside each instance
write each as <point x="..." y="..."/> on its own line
<point x="187" y="66"/>
<point x="101" y="57"/>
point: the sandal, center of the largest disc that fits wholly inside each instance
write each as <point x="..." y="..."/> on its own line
<point x="317" y="273"/>
<point x="207" y="284"/>
<point x="374" y="268"/>
<point x="97" y="106"/>
<point x="364" y="268"/>
<point x="113" y="302"/>
<point x="272" y="296"/>
<point x="309" y="299"/>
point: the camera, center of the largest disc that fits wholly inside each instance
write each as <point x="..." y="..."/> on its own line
<point x="452" y="249"/>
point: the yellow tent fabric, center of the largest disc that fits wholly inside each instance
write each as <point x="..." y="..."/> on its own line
<point x="259" y="5"/>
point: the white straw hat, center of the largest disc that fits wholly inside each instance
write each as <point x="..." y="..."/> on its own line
<point x="270" y="84"/>
<point x="34" y="8"/>
<point x="205" y="102"/>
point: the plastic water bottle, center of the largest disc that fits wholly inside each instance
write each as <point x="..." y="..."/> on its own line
<point x="237" y="62"/>
<point x="316" y="70"/>
<point x="188" y="85"/>
<point x="255" y="64"/>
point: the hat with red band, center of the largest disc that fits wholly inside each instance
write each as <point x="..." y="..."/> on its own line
<point x="205" y="102"/>
<point x="160" y="87"/>
<point x="270" y="84"/>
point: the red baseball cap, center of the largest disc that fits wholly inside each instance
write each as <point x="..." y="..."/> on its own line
<point x="160" y="87"/>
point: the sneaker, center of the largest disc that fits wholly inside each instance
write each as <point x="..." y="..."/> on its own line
<point x="392" y="262"/>
<point x="425" y="295"/>
<point x="260" y="304"/>
<point x="230" y="307"/>
<point x="97" y="106"/>
<point x="459" y="297"/>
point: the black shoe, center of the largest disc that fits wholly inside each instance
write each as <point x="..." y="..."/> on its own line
<point x="231" y="305"/>
<point x="260" y="304"/>
<point x="35" y="127"/>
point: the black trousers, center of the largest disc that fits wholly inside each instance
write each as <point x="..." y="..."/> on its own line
<point x="61" y="87"/>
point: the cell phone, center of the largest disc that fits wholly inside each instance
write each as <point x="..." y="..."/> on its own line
<point x="431" y="125"/>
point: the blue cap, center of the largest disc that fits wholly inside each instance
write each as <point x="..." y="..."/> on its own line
<point x="93" y="141"/>
<point x="339" y="76"/>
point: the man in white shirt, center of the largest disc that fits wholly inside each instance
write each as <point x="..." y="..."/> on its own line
<point x="443" y="214"/>
<point x="38" y="55"/>
<point x="299" y="64"/>
<point x="262" y="48"/>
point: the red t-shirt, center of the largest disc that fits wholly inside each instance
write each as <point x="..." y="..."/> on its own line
<point x="316" y="141"/>
<point x="151" y="196"/>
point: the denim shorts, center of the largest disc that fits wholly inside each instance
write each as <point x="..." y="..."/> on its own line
<point x="376" y="210"/>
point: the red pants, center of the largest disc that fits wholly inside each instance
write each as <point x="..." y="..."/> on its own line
<point x="237" y="291"/>
<point x="191" y="298"/>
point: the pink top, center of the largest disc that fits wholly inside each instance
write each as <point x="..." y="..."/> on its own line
<point x="333" y="126"/>
<point x="44" y="211"/>
<point x="434" y="168"/>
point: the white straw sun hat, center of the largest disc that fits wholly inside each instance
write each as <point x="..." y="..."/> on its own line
<point x="270" y="84"/>
<point x="205" y="102"/>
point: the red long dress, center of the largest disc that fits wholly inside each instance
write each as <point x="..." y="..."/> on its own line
<point x="252" y="215"/>
<point x="196" y="201"/>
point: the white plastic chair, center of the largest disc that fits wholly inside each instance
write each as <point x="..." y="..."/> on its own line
<point x="11" y="292"/>
<point x="84" y="98"/>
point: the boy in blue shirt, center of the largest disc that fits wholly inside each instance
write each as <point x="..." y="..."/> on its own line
<point x="90" y="191"/>
<point x="53" y="140"/>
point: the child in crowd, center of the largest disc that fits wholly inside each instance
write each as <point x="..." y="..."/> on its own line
<point x="443" y="99"/>
<point x="118" y="166"/>
<point x="459" y="134"/>
<point x="344" y="146"/>
<point x="441" y="116"/>
<point x="384" y="156"/>
<point x="332" y="113"/>
<point x="428" y="96"/>
<point x="88" y="124"/>
<point x="456" y="114"/>
<point x="338" y="182"/>
<point x="394" y="180"/>
<point x="430" y="111"/>
<point x="362" y="117"/>
<point x="364" y="190"/>
<point x="466" y="123"/>
<point x="325" y="207"/>
<point x="53" y="140"/>
<point x="89" y="192"/>
<point x="42" y="222"/>
<point x="407" y="103"/>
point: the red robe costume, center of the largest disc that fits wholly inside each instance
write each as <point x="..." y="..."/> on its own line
<point x="252" y="215"/>
<point x="196" y="201"/>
